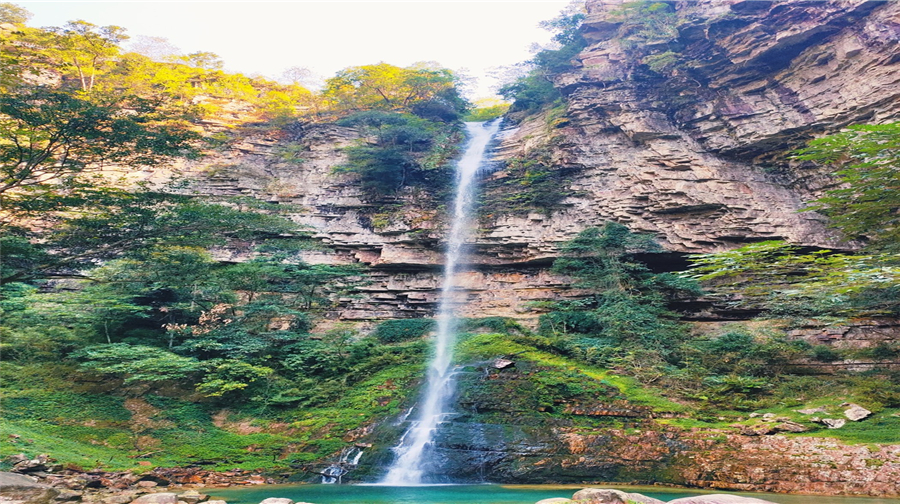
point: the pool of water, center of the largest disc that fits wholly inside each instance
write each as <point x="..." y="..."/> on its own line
<point x="477" y="494"/>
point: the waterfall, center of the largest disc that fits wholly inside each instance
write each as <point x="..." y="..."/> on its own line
<point x="432" y="409"/>
<point x="348" y="460"/>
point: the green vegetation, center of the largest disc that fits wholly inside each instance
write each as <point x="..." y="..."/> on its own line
<point x="395" y="331"/>
<point x="532" y="184"/>
<point x="404" y="151"/>
<point x="625" y="319"/>
<point x="864" y="205"/>
<point x="533" y="90"/>
<point x="486" y="110"/>
<point x="112" y="282"/>
<point x="799" y="285"/>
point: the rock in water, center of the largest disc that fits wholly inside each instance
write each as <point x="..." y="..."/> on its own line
<point x="277" y="500"/>
<point x="719" y="499"/>
<point x="19" y="489"/>
<point x="555" y="500"/>
<point x="610" y="496"/>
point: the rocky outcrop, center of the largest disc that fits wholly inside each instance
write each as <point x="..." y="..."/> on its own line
<point x="695" y="152"/>
<point x="20" y="489"/>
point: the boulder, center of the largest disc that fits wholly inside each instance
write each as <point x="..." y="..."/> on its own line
<point x="856" y="412"/>
<point x="834" y="423"/>
<point x="69" y="495"/>
<point x="719" y="499"/>
<point x="20" y="489"/>
<point x="192" y="497"/>
<point x="555" y="500"/>
<point x="40" y="463"/>
<point x="123" y="498"/>
<point x="157" y="498"/>
<point x="277" y="500"/>
<point x="610" y="496"/>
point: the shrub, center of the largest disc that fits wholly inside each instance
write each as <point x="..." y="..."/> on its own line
<point x="395" y="331"/>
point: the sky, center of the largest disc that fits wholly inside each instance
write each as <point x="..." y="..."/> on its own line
<point x="265" y="38"/>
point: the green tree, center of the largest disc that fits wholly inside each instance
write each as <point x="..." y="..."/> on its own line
<point x="49" y="137"/>
<point x="865" y="204"/>
<point x="624" y="316"/>
<point x="384" y="86"/>
<point x="86" y="48"/>
<point x="137" y="363"/>
<point x="792" y="282"/>
<point x="407" y="150"/>
<point x="533" y="88"/>
<point x="12" y="13"/>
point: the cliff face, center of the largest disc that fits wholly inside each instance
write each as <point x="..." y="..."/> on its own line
<point x="694" y="150"/>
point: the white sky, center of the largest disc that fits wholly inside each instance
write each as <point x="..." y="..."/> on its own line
<point x="327" y="36"/>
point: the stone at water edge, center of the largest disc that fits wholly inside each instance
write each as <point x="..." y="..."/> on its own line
<point x="157" y="498"/>
<point x="610" y="496"/>
<point x="192" y="497"/>
<point x="719" y="499"/>
<point x="555" y="500"/>
<point x="277" y="500"/>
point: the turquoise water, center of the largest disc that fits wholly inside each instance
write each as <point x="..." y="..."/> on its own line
<point x="476" y="494"/>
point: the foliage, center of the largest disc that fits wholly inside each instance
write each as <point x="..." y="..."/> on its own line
<point x="531" y="184"/>
<point x="624" y="319"/>
<point x="74" y="230"/>
<point x="534" y="90"/>
<point x="388" y="87"/>
<point x="138" y="363"/>
<point x="395" y="331"/>
<point x="50" y="137"/>
<point x="404" y="150"/>
<point x="864" y="205"/>
<point x="12" y="13"/>
<point x="486" y="110"/>
<point x="645" y="22"/>
<point x="818" y="282"/>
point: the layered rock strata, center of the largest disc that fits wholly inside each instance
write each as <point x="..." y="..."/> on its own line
<point x="694" y="152"/>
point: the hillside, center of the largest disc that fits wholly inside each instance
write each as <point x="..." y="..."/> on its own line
<point x="247" y="276"/>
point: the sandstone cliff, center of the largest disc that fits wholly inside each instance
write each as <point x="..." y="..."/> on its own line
<point x="693" y="151"/>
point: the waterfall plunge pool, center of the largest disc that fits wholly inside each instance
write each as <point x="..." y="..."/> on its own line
<point x="480" y="494"/>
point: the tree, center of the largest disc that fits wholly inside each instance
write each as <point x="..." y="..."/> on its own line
<point x="205" y="60"/>
<point x="625" y="312"/>
<point x="533" y="86"/>
<point x="384" y="86"/>
<point x="12" y="13"/>
<point x="87" y="48"/>
<point x="794" y="282"/>
<point x="866" y="204"/>
<point x="405" y="151"/>
<point x="49" y="137"/>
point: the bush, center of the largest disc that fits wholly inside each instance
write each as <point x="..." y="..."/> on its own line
<point x="395" y="331"/>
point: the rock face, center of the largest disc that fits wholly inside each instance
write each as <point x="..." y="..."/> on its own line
<point x="696" y="152"/>
<point x="20" y="489"/>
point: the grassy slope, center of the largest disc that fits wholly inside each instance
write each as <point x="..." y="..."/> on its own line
<point x="80" y="425"/>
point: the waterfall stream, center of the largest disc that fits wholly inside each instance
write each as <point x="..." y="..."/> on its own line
<point x="412" y="452"/>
